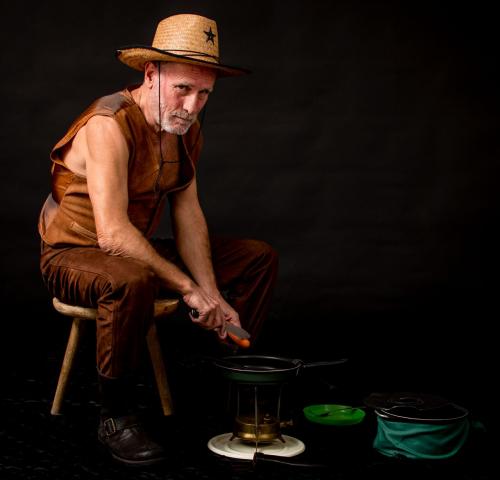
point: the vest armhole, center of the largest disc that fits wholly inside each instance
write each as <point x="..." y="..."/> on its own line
<point x="108" y="106"/>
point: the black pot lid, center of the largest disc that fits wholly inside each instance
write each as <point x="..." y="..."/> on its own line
<point x="446" y="414"/>
<point x="414" y="407"/>
<point x="407" y="400"/>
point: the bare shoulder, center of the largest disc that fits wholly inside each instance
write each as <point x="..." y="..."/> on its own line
<point x="102" y="130"/>
<point x="102" y="124"/>
<point x="99" y="138"/>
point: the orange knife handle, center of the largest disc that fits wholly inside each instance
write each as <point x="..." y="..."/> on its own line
<point x="242" y="342"/>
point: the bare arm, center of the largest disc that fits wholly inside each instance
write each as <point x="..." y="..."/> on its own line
<point x="191" y="237"/>
<point x="193" y="245"/>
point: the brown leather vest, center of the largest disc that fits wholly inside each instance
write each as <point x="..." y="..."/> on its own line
<point x="67" y="217"/>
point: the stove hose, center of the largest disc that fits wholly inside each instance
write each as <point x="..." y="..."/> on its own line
<point x="265" y="459"/>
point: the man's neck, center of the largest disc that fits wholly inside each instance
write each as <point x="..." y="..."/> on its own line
<point x="141" y="96"/>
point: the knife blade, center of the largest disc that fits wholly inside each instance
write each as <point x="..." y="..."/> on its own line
<point x="235" y="330"/>
<point x="238" y="331"/>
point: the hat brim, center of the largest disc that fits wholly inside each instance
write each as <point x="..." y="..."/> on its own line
<point x="137" y="56"/>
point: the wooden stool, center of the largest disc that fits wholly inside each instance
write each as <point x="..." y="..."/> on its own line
<point x="80" y="314"/>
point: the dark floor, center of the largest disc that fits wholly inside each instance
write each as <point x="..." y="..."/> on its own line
<point x="36" y="445"/>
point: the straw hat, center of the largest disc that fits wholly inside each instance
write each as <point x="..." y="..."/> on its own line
<point x="184" y="38"/>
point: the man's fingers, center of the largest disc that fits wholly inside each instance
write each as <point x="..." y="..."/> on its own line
<point x="208" y="313"/>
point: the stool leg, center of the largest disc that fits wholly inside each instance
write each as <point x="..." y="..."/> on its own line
<point x="69" y="356"/>
<point x="159" y="370"/>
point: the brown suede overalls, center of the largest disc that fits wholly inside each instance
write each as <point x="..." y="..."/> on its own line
<point x="123" y="290"/>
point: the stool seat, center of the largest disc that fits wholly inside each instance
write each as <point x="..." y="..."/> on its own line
<point x="162" y="307"/>
<point x="79" y="314"/>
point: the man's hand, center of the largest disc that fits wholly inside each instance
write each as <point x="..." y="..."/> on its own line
<point x="213" y="311"/>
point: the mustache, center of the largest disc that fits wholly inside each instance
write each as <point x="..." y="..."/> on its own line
<point x="183" y="115"/>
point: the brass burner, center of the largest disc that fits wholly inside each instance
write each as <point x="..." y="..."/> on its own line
<point x="266" y="430"/>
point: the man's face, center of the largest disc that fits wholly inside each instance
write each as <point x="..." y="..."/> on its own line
<point x="184" y="90"/>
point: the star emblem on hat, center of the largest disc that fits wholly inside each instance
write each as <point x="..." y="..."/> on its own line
<point x="210" y="35"/>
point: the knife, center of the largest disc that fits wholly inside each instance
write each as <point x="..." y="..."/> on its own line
<point x="238" y="331"/>
<point x="237" y="334"/>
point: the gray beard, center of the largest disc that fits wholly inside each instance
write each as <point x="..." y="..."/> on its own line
<point x="175" y="130"/>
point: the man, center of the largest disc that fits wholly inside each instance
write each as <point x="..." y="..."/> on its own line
<point x="119" y="164"/>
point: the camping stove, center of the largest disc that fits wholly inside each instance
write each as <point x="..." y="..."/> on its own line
<point x="255" y="404"/>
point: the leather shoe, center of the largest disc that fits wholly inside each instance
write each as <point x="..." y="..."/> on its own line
<point x="126" y="440"/>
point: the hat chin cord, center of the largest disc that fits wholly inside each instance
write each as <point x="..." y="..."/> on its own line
<point x="158" y="65"/>
<point x="162" y="160"/>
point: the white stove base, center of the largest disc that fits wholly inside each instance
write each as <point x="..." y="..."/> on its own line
<point x="236" y="448"/>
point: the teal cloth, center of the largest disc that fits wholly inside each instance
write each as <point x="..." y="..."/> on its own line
<point x="420" y="440"/>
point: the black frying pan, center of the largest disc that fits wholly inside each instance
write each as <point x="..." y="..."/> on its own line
<point x="260" y="369"/>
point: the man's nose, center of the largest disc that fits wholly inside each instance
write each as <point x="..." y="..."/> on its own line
<point x="192" y="104"/>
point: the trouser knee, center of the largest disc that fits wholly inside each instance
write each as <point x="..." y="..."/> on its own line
<point x="139" y="287"/>
<point x="262" y="252"/>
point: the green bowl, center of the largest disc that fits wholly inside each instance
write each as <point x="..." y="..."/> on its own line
<point x="332" y="414"/>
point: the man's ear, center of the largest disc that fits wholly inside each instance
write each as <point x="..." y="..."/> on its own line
<point x="149" y="70"/>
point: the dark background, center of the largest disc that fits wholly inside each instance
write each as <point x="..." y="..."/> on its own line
<point x="364" y="148"/>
